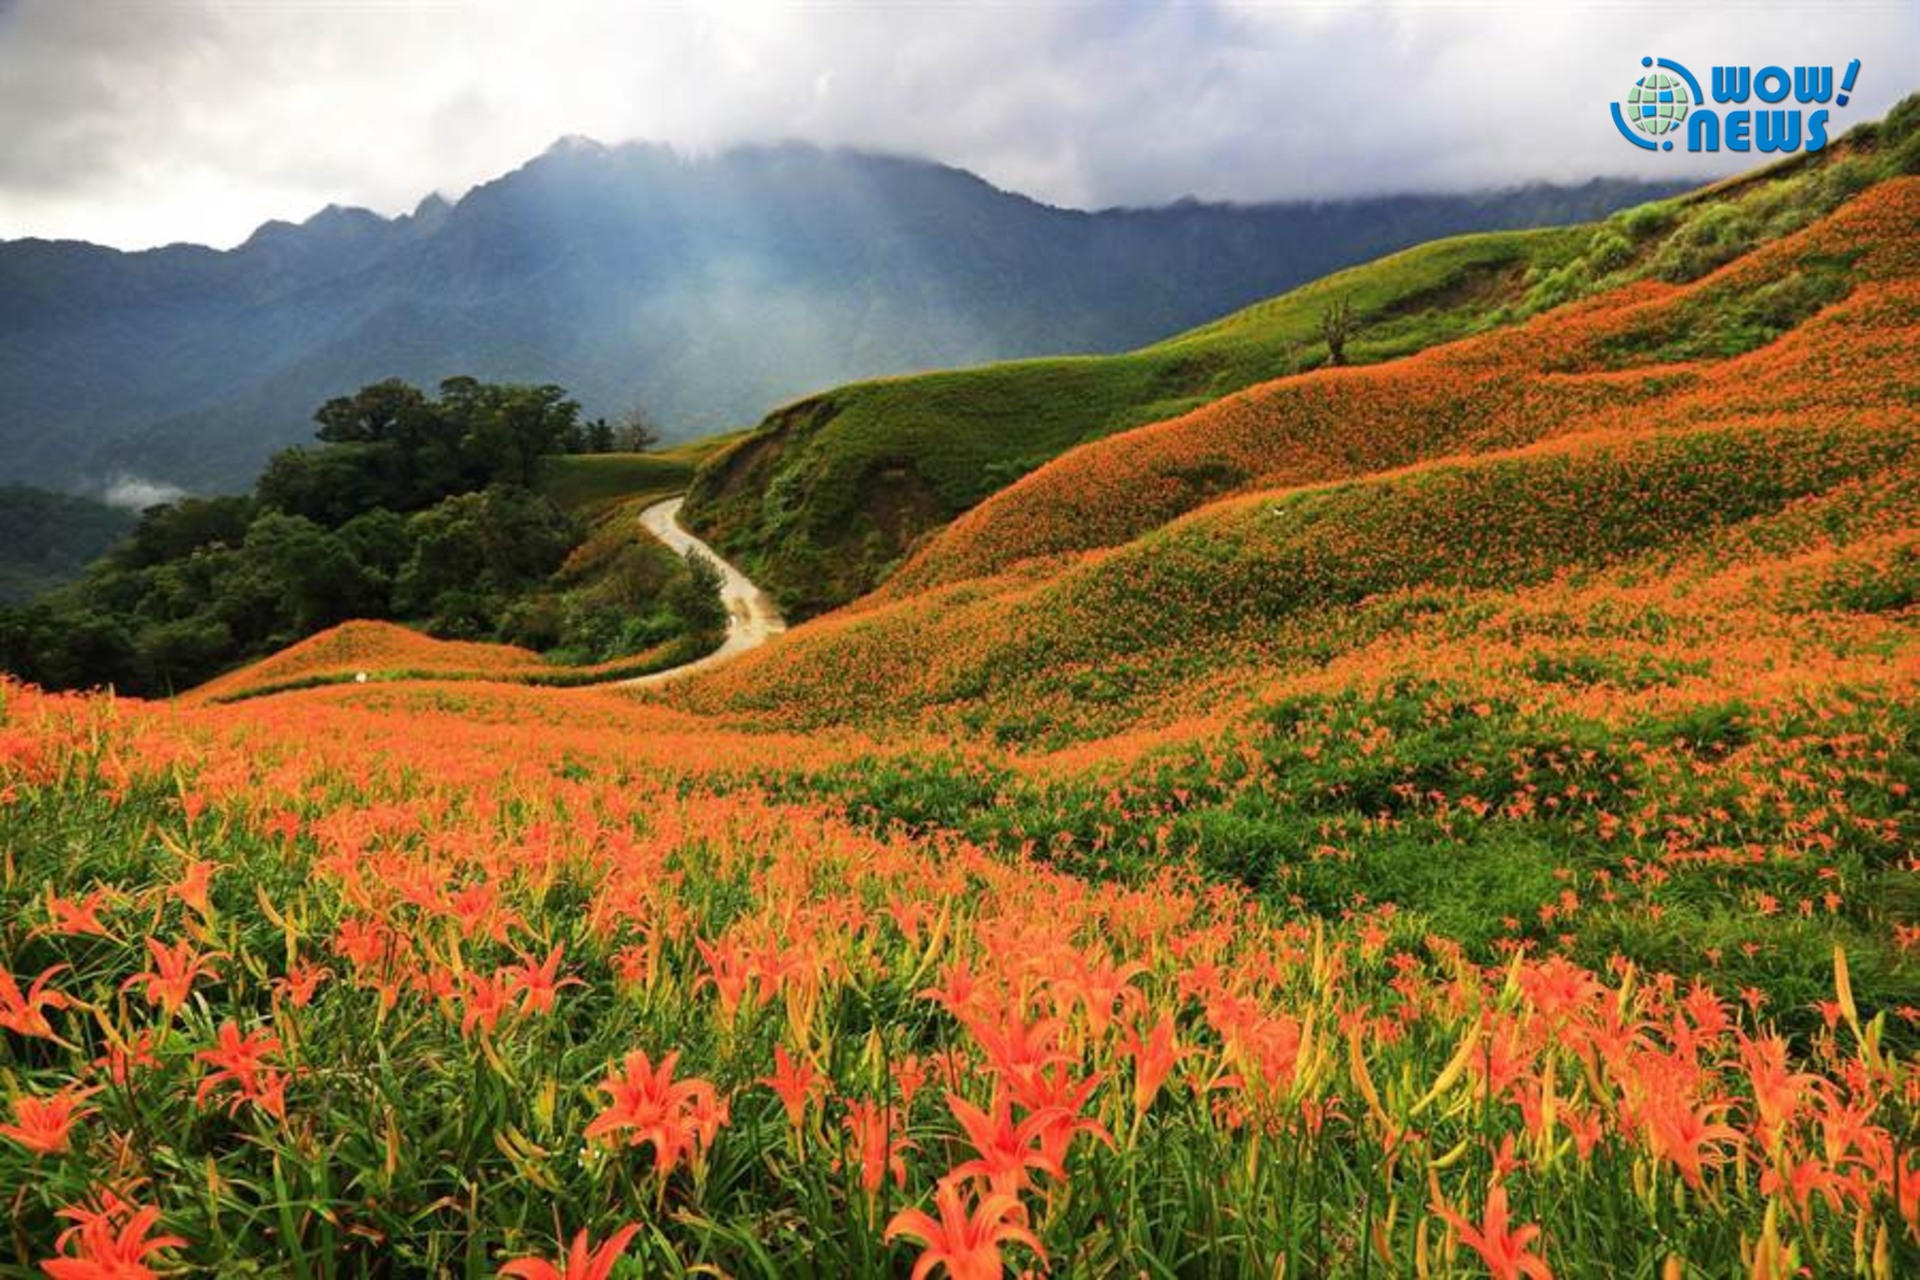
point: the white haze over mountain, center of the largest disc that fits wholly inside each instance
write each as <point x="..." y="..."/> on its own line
<point x="136" y="124"/>
<point x="130" y="492"/>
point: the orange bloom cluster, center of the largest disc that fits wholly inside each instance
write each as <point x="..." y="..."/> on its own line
<point x="44" y="1126"/>
<point x="373" y="649"/>
<point x="645" y="1104"/>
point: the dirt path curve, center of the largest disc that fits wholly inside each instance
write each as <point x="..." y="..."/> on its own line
<point x="752" y="616"/>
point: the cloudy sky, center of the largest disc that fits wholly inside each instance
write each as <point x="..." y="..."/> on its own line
<point x="139" y="122"/>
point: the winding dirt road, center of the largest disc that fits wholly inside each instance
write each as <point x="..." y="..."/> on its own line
<point x="752" y="616"/>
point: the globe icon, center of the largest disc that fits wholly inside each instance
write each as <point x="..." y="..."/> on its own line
<point x="1657" y="103"/>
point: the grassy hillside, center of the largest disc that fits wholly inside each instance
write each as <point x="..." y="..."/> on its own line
<point x="827" y="496"/>
<point x="1647" y="353"/>
<point x="383" y="652"/>
<point x="585" y="484"/>
<point x="823" y="499"/>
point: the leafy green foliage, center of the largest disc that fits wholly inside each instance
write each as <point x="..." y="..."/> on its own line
<point x="695" y="598"/>
<point x="395" y="449"/>
<point x="439" y="510"/>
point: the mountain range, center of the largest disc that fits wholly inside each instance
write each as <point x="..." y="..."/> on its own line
<point x="709" y="289"/>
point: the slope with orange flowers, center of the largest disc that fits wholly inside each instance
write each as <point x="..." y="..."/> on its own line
<point x="364" y="651"/>
<point x="1553" y="448"/>
<point x="1606" y="365"/>
<point x="822" y="501"/>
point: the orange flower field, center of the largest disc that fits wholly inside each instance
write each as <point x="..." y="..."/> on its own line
<point x="1451" y="817"/>
<point x="334" y="978"/>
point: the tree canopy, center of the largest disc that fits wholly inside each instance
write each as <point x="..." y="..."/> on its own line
<point x="412" y="506"/>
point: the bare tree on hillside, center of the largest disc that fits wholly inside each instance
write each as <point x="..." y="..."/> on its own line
<point x="636" y="430"/>
<point x="1337" y="324"/>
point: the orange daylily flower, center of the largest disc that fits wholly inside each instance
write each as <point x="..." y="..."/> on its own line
<point x="110" y="1242"/>
<point x="538" y="984"/>
<point x="194" y="886"/>
<point x="1154" y="1055"/>
<point x="879" y="1143"/>
<point x="965" y="1242"/>
<point x="241" y="1060"/>
<point x="584" y="1260"/>
<point x="302" y="982"/>
<point x="80" y="918"/>
<point x="175" y="969"/>
<point x="486" y="997"/>
<point x="1062" y="1099"/>
<point x="1016" y="1048"/>
<point x="1687" y="1135"/>
<point x="1501" y="1246"/>
<point x="44" y="1126"/>
<point x="1005" y="1151"/>
<point x="26" y="1014"/>
<point x="646" y="1104"/>
<point x="794" y="1080"/>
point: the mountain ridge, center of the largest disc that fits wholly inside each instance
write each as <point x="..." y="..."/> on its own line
<point x="713" y="287"/>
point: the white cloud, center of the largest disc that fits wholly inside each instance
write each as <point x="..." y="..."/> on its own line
<point x="137" y="493"/>
<point x="140" y="123"/>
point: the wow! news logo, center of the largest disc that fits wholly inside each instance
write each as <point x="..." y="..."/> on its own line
<point x="1666" y="102"/>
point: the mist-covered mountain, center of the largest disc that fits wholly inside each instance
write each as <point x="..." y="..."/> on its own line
<point x="708" y="288"/>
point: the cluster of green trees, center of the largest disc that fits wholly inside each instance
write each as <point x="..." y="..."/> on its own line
<point x="414" y="507"/>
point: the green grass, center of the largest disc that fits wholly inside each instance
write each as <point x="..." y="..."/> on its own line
<point x="585" y="484"/>
<point x="610" y="597"/>
<point x="829" y="494"/>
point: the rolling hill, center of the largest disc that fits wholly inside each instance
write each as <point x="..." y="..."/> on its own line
<point x="710" y="288"/>
<point x="830" y="495"/>
<point x="1562" y="444"/>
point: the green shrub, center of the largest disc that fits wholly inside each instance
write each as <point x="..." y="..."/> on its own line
<point x="1709" y="239"/>
<point x="1611" y="251"/>
<point x="1644" y="222"/>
